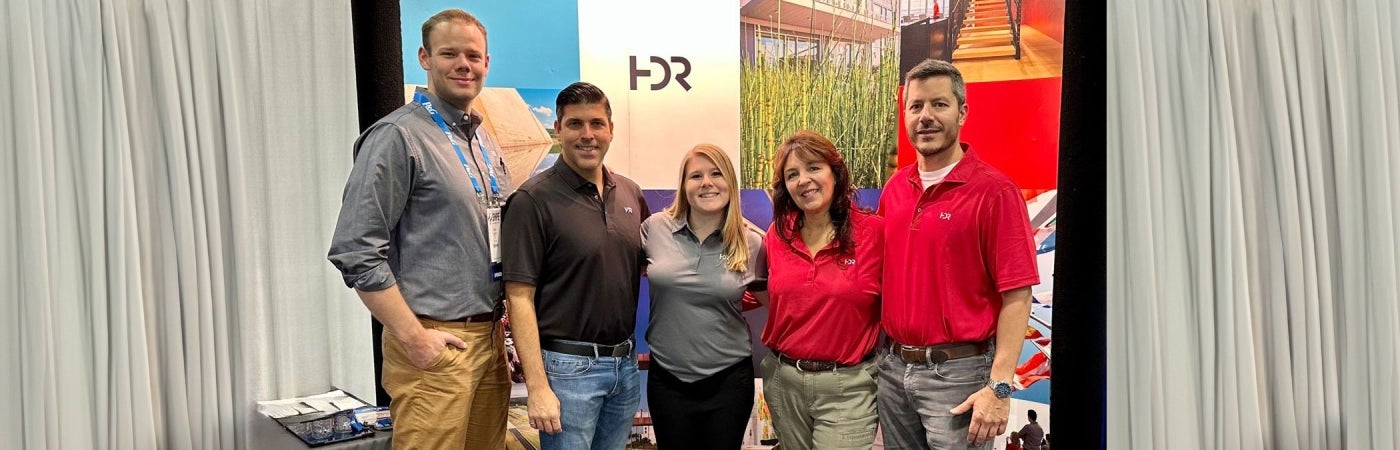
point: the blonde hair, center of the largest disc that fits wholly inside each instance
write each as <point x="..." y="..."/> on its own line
<point x="734" y="228"/>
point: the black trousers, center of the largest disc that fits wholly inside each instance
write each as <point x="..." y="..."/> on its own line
<point x="709" y="414"/>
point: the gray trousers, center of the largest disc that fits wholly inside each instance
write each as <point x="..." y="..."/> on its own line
<point x="915" y="399"/>
<point x="832" y="410"/>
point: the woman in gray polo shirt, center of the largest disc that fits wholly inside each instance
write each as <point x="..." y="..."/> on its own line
<point x="702" y="256"/>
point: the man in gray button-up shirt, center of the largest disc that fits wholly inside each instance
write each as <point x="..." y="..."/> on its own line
<point x="413" y="240"/>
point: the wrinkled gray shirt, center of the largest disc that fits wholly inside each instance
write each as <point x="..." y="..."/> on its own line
<point x="410" y="216"/>
<point x="697" y="325"/>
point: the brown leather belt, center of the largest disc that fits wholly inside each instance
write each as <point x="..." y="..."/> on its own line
<point x="809" y="365"/>
<point x="938" y="354"/>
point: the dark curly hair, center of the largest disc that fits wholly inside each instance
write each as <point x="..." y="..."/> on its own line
<point x="788" y="218"/>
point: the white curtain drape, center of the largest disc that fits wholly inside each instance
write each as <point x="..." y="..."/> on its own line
<point x="1253" y="205"/>
<point x="170" y="176"/>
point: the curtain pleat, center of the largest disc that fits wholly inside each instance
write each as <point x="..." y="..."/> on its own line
<point x="172" y="168"/>
<point x="1252" y="222"/>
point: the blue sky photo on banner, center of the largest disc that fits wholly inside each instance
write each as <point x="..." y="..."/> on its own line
<point x="742" y="77"/>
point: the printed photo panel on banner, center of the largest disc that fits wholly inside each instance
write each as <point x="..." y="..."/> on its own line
<point x="745" y="75"/>
<point x="829" y="67"/>
<point x="534" y="54"/>
<point x="533" y="44"/>
<point x="1010" y="55"/>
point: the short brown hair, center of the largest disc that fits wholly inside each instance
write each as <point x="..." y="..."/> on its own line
<point x="931" y="68"/>
<point x="448" y="15"/>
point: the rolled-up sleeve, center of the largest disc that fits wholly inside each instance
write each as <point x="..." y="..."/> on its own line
<point x="376" y="192"/>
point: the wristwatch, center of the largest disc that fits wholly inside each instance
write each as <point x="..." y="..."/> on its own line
<point x="1002" y="388"/>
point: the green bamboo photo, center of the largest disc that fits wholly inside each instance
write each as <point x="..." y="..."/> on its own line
<point x="850" y="99"/>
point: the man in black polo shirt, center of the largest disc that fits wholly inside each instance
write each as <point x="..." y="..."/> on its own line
<point x="572" y="253"/>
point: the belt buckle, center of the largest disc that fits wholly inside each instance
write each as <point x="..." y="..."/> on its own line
<point x="816" y="364"/>
<point x="929" y="354"/>
<point x="613" y="349"/>
<point x="904" y="353"/>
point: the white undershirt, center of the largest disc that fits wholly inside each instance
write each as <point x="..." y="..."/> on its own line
<point x="931" y="178"/>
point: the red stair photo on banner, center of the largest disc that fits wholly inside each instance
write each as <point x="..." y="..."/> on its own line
<point x="1013" y="125"/>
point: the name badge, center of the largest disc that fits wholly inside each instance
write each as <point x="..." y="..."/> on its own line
<point x="493" y="232"/>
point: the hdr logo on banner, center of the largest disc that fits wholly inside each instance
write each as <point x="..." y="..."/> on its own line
<point x="671" y="69"/>
<point x="665" y="72"/>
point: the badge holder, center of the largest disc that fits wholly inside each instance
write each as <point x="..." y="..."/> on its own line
<point x="493" y="235"/>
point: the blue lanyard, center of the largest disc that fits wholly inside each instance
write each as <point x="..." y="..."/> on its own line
<point x="486" y="157"/>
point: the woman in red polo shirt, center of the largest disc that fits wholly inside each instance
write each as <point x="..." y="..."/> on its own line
<point x="824" y="264"/>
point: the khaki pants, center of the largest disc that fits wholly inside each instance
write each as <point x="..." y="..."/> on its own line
<point x="460" y="400"/>
<point x="821" y="410"/>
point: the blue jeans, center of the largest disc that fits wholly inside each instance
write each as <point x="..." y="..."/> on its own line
<point x="598" y="397"/>
<point x="914" y="400"/>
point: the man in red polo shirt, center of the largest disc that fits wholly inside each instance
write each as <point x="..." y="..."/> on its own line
<point x="956" y="303"/>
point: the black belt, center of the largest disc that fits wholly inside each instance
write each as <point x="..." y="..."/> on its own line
<point x="590" y="350"/>
<point x="483" y="317"/>
<point x="938" y="354"/>
<point x="811" y="365"/>
<point x="478" y="318"/>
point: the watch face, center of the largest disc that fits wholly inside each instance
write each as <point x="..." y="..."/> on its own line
<point x="1002" y="389"/>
